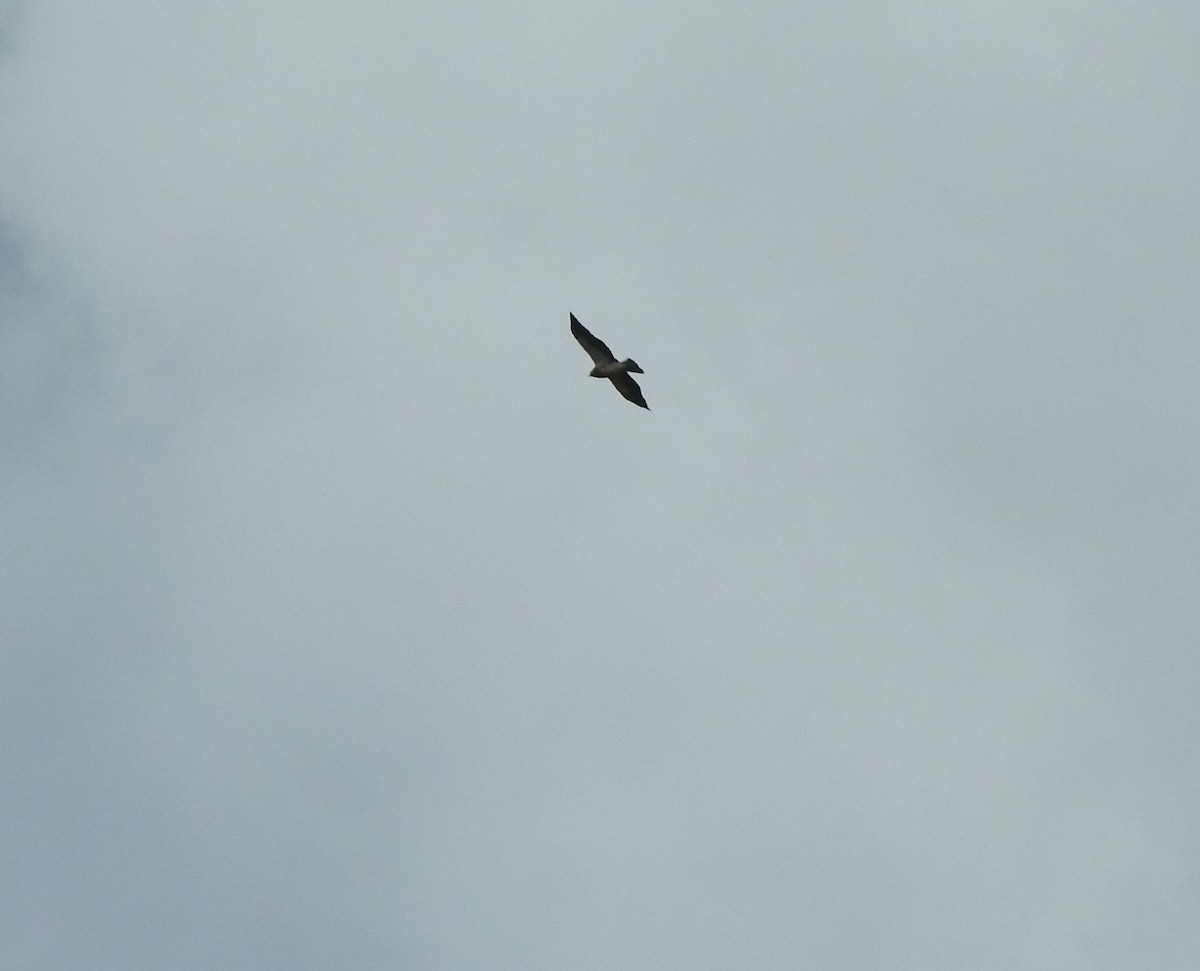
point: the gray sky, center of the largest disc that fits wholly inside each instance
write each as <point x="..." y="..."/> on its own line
<point x="346" y="623"/>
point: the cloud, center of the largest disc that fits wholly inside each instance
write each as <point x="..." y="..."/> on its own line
<point x="349" y="622"/>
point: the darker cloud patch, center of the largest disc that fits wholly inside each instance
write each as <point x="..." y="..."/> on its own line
<point x="45" y="349"/>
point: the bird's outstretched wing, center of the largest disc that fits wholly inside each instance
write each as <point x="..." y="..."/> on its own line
<point x="595" y="347"/>
<point x="624" y="383"/>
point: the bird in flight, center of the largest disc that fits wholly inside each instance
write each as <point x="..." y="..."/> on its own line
<point x="607" y="366"/>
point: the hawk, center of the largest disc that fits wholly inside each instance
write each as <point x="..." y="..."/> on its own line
<point x="607" y="366"/>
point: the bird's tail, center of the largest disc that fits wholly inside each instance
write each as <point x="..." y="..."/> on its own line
<point x="632" y="365"/>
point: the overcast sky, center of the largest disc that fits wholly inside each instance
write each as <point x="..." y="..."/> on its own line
<point x="346" y="623"/>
